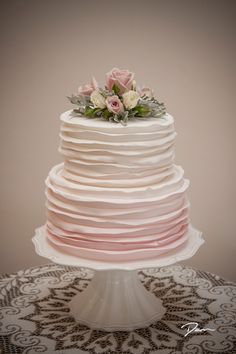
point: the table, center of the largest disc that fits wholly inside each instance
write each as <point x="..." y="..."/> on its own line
<point x="34" y="314"/>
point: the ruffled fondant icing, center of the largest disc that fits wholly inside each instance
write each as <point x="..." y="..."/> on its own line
<point x="117" y="195"/>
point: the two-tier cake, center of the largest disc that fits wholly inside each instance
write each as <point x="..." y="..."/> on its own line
<point x="118" y="196"/>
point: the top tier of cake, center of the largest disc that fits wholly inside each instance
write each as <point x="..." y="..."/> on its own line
<point x="106" y="154"/>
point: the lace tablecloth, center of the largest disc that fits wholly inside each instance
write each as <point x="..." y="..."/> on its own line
<point x="34" y="314"/>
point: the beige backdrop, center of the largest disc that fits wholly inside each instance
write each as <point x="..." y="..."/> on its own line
<point x="185" y="50"/>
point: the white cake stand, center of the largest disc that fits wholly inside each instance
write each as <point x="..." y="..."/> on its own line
<point x="115" y="299"/>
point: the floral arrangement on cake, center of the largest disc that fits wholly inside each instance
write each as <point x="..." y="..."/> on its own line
<point x="120" y="100"/>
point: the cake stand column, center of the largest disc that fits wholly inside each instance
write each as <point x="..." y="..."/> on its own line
<point x="116" y="300"/>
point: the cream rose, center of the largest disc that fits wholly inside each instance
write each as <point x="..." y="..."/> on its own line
<point x="130" y="99"/>
<point x="97" y="99"/>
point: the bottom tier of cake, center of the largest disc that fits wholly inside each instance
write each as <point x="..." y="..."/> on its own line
<point x="113" y="223"/>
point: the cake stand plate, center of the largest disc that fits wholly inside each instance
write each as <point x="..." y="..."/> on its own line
<point x="115" y="299"/>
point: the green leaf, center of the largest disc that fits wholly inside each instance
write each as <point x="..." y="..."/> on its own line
<point x="116" y="118"/>
<point x="105" y="93"/>
<point x="124" y="118"/>
<point x="116" y="89"/>
<point x="106" y="113"/>
<point x="79" y="100"/>
<point x="142" y="110"/>
<point x="89" y="111"/>
<point x="73" y="99"/>
<point x="132" y="112"/>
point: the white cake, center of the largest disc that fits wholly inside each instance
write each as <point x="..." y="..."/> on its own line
<point x="118" y="195"/>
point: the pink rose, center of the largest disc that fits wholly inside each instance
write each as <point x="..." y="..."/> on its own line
<point x="87" y="89"/>
<point x="114" y="104"/>
<point x="121" y="78"/>
<point x="147" y="92"/>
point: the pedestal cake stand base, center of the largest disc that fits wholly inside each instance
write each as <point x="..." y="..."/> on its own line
<point x="116" y="299"/>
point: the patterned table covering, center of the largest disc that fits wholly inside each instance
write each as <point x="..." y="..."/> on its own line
<point x="34" y="314"/>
